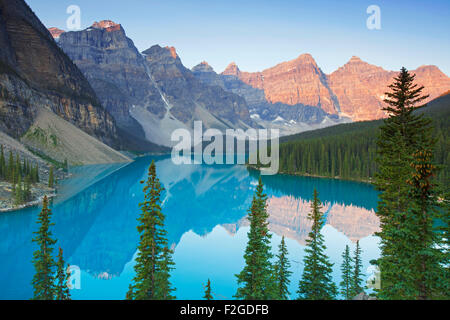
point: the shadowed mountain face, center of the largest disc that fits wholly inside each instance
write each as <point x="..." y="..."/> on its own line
<point x="149" y="94"/>
<point x="186" y="95"/>
<point x="34" y="71"/>
<point x="355" y="90"/>
<point x="115" y="69"/>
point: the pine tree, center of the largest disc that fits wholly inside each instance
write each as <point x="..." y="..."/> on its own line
<point x="405" y="208"/>
<point x="429" y="264"/>
<point x="208" y="294"/>
<point x="62" y="291"/>
<point x="256" y="281"/>
<point x="347" y="274"/>
<point x="19" y="193"/>
<point x="153" y="263"/>
<point x="282" y="273"/>
<point x="2" y="164"/>
<point x="317" y="282"/>
<point x="10" y="171"/>
<point x="18" y="167"/>
<point x="44" y="264"/>
<point x="27" y="189"/>
<point x="51" y="181"/>
<point x="163" y="285"/>
<point x="357" y="280"/>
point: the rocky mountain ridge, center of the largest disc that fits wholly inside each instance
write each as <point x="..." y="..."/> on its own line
<point x="35" y="72"/>
<point x="149" y="94"/>
<point x="356" y="90"/>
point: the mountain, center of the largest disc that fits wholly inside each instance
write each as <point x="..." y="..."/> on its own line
<point x="289" y="119"/>
<point x="355" y="90"/>
<point x="116" y="71"/>
<point x="36" y="78"/>
<point x="149" y="94"/>
<point x="299" y="81"/>
<point x="36" y="72"/>
<point x="360" y="87"/>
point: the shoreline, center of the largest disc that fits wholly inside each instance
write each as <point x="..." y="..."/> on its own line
<point x="370" y="181"/>
<point x="30" y="204"/>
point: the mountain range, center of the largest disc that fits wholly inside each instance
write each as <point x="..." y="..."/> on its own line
<point x="97" y="81"/>
<point x="356" y="90"/>
<point x="150" y="93"/>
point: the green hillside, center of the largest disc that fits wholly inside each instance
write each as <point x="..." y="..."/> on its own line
<point x="348" y="151"/>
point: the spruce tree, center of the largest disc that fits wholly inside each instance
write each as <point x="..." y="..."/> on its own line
<point x="405" y="208"/>
<point x="10" y="170"/>
<point x="163" y="285"/>
<point x="282" y="272"/>
<point x="317" y="282"/>
<point x="430" y="262"/>
<point x="19" y="193"/>
<point x="51" y="181"/>
<point x="357" y="280"/>
<point x="256" y="281"/>
<point x="62" y="291"/>
<point x="153" y="262"/>
<point x="347" y="274"/>
<point x="27" y="189"/>
<point x="2" y="164"/>
<point x="44" y="264"/>
<point x="208" y="293"/>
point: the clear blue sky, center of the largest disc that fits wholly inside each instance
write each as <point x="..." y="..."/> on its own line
<point x="259" y="34"/>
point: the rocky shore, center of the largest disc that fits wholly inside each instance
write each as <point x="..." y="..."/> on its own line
<point x="38" y="191"/>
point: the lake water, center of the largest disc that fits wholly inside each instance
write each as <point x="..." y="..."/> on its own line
<point x="205" y="208"/>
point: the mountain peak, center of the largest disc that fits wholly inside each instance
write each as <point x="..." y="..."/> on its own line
<point x="203" y="67"/>
<point x="355" y="59"/>
<point x="232" y="70"/>
<point x="107" y="25"/>
<point x="161" y="52"/>
<point x="306" y="58"/>
<point x="173" y="52"/>
<point x="55" y="32"/>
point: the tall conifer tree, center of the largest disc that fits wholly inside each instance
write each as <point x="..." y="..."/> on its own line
<point x="44" y="264"/>
<point x="282" y="272"/>
<point x="409" y="253"/>
<point x="317" y="282"/>
<point x="430" y="263"/>
<point x="62" y="291"/>
<point x="357" y="280"/>
<point x="347" y="274"/>
<point x="256" y="281"/>
<point x="2" y="164"/>
<point x="51" y="179"/>
<point x="208" y="293"/>
<point x="153" y="263"/>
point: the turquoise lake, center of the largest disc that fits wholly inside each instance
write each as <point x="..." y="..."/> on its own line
<point x="205" y="207"/>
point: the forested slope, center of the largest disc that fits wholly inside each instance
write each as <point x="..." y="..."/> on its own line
<point x="348" y="151"/>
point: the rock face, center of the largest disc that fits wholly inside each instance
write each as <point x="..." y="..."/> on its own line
<point x="360" y="87"/>
<point x="116" y="71"/>
<point x="186" y="95"/>
<point x="149" y="94"/>
<point x="288" y="118"/>
<point x="299" y="81"/>
<point x="34" y="71"/>
<point x="355" y="90"/>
